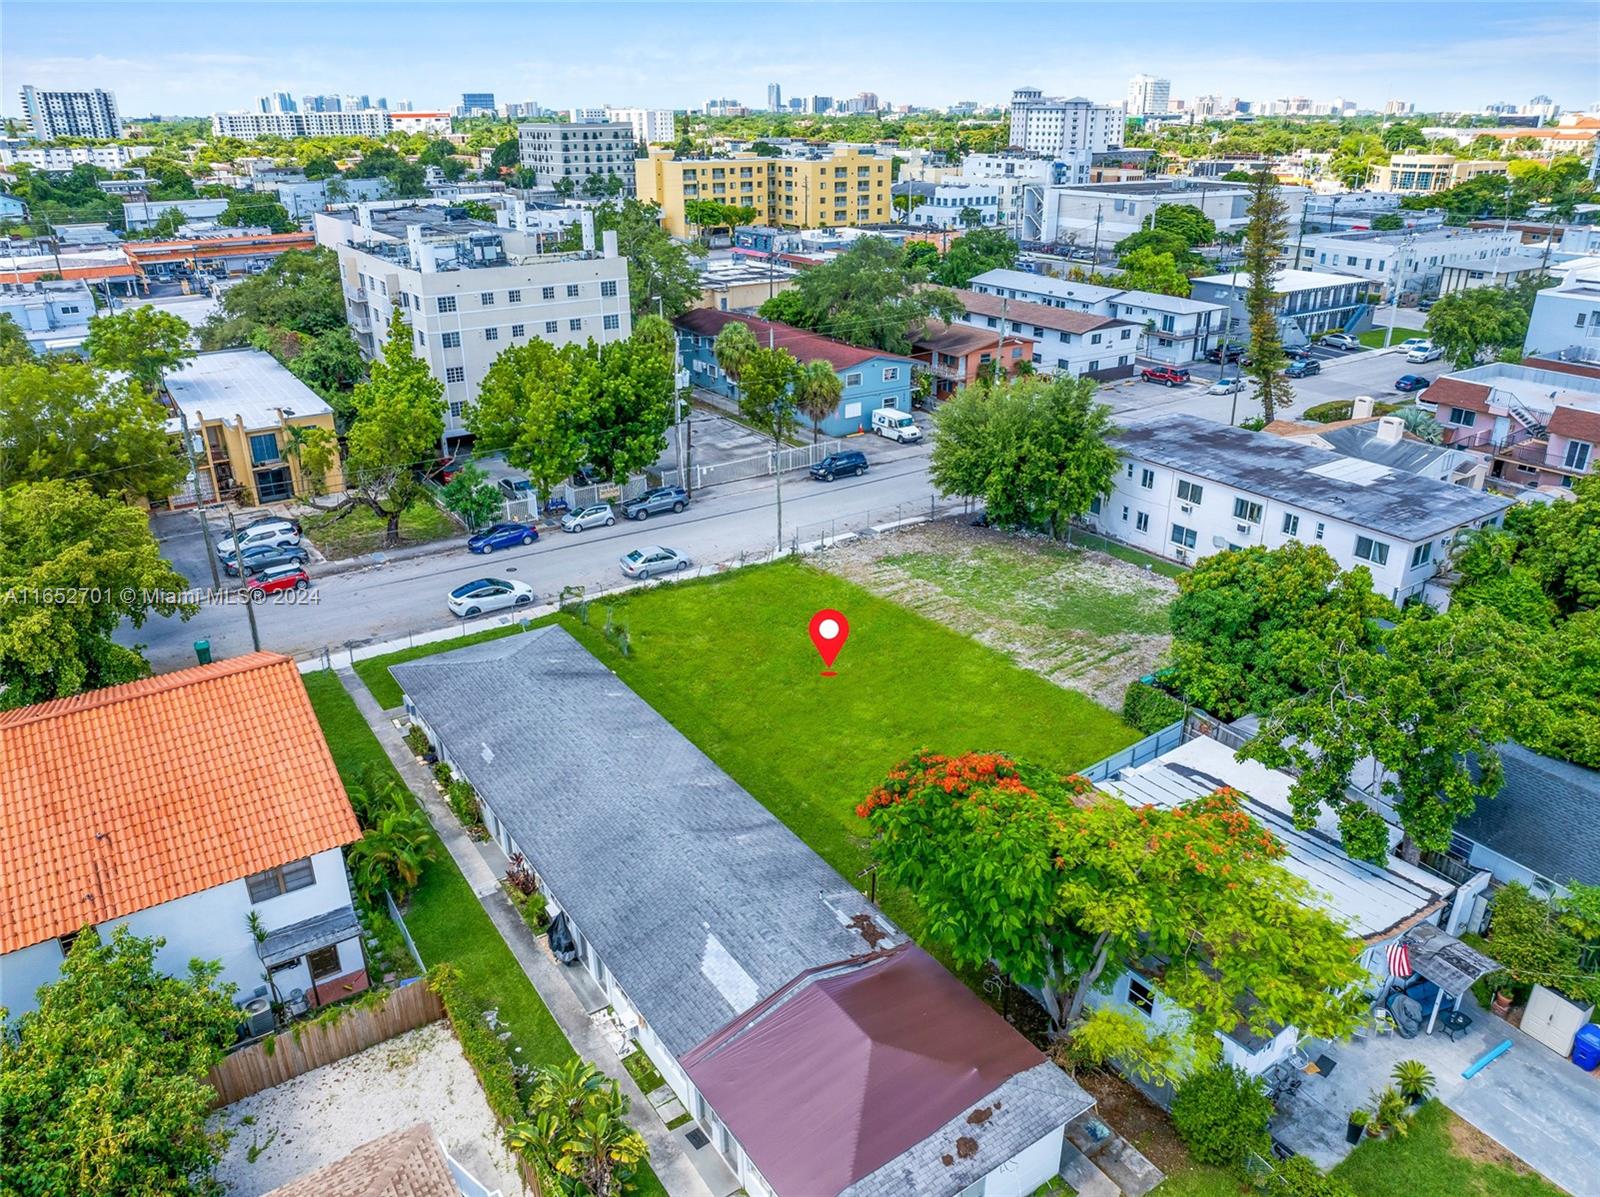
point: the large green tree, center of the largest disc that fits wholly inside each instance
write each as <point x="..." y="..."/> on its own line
<point x="1148" y="269"/>
<point x="257" y="209"/>
<point x="73" y="566"/>
<point x="1481" y="321"/>
<point x="104" y="1086"/>
<point x="142" y="342"/>
<point x="867" y="296"/>
<point x="660" y="276"/>
<point x="14" y="347"/>
<point x="1064" y="889"/>
<point x="399" y="420"/>
<point x="974" y="252"/>
<point x="766" y="380"/>
<point x="530" y="406"/>
<point x="577" y="1128"/>
<point x="1035" y="450"/>
<point x="1263" y="242"/>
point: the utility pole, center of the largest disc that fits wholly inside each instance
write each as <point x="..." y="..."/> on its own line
<point x="1000" y="342"/>
<point x="1394" y="289"/>
<point x="1096" y="260"/>
<point x="199" y="507"/>
<point x="249" y="607"/>
<point x="777" y="450"/>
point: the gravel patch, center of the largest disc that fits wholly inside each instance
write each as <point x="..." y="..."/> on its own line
<point x="323" y="1115"/>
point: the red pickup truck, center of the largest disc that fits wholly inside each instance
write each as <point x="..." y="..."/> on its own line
<point x="1170" y="376"/>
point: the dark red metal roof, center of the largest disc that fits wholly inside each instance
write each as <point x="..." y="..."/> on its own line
<point x="806" y="346"/>
<point x="837" y="1074"/>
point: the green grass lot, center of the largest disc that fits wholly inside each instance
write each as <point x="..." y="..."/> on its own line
<point x="446" y="920"/>
<point x="361" y="531"/>
<point x="1427" y="1162"/>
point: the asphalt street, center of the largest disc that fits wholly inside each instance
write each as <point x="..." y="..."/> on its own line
<point x="387" y="601"/>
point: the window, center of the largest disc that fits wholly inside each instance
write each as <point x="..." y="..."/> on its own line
<point x="513" y="296"/>
<point x="455" y="374"/>
<point x="284" y="879"/>
<point x="1291" y="524"/>
<point x="1247" y="511"/>
<point x="853" y="380"/>
<point x="575" y="324"/>
<point x="1147" y="479"/>
<point x="451" y="340"/>
<point x="1183" y="537"/>
<point x="1124" y="513"/>
<point x="519" y="330"/>
<point x="447" y="303"/>
<point x="456" y="409"/>
<point x="1142" y="522"/>
<point x="1462" y="417"/>
<point x="1126" y="333"/>
<point x="1422" y="554"/>
<point x="1578" y="453"/>
<point x="550" y="326"/>
<point x="491" y="334"/>
<point x="1190" y="492"/>
<point x="1093" y="366"/>
<point x="263" y="447"/>
<point x="1094" y="505"/>
<point x="1371" y="550"/>
<point x="608" y="288"/>
<point x="1140" y="997"/>
<point x="547" y="293"/>
<point x="422" y="338"/>
<point x="486" y="298"/>
<point x="1321" y="527"/>
<point x="1094" y="339"/>
<point x="66" y="941"/>
<point x="612" y="321"/>
<point x="572" y="290"/>
<point x="891" y="374"/>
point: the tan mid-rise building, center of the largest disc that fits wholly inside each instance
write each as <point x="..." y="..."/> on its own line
<point x="1420" y="174"/>
<point x="846" y="187"/>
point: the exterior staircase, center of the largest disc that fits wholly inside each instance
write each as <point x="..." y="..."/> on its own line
<point x="1098" y="1162"/>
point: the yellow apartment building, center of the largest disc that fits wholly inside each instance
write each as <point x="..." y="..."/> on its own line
<point x="844" y="188"/>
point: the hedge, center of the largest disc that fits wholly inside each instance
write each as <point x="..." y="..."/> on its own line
<point x="485" y="1051"/>
<point x="1149" y="709"/>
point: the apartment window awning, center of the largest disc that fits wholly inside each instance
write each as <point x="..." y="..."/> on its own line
<point x="297" y="939"/>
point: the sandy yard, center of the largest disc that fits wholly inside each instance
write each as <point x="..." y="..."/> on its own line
<point x="325" y="1114"/>
<point x="1085" y="620"/>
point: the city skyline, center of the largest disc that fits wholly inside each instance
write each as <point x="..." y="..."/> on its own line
<point x="142" y="52"/>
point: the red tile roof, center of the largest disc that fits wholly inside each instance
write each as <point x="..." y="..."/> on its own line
<point x="1560" y="367"/>
<point x="1457" y="392"/>
<point x="1045" y="315"/>
<point x="120" y="799"/>
<point x="1575" y="422"/>
<point x="806" y="346"/>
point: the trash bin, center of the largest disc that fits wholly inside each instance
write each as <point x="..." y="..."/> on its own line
<point x="202" y="651"/>
<point x="1586" y="1047"/>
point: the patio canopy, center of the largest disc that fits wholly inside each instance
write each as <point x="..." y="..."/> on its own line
<point x="295" y="940"/>
<point x="1443" y="959"/>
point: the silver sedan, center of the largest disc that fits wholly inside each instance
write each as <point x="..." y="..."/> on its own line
<point x="650" y="560"/>
<point x="596" y="515"/>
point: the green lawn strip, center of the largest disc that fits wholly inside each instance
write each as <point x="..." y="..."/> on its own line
<point x="446" y="920"/>
<point x="374" y="671"/>
<point x="1050" y="588"/>
<point x="643" y="1072"/>
<point x="1197" y="1180"/>
<point x="728" y="661"/>
<point x="1122" y="552"/>
<point x="1425" y="1163"/>
<point x="359" y="530"/>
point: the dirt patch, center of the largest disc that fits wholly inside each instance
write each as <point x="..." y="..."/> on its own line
<point x="1137" y="1119"/>
<point x="1082" y="619"/>
<point x="1471" y="1143"/>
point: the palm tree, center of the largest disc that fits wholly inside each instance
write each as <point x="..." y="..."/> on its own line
<point x="391" y="853"/>
<point x="578" y="1128"/>
<point x="733" y="347"/>
<point x="816" y="393"/>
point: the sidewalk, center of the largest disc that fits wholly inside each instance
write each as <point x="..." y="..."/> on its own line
<point x="678" y="1175"/>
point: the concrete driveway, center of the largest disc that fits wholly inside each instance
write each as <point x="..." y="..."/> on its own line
<point x="1535" y="1104"/>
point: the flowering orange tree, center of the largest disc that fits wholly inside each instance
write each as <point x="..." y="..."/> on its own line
<point x="1065" y="888"/>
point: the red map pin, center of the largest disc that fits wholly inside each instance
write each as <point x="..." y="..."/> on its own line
<point x="829" y="631"/>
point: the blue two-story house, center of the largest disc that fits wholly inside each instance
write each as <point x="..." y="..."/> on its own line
<point x="872" y="378"/>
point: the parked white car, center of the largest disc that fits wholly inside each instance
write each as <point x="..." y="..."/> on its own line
<point x="488" y="594"/>
<point x="275" y="533"/>
<point x="1411" y="344"/>
<point x="1425" y="353"/>
<point x="1226" y="386"/>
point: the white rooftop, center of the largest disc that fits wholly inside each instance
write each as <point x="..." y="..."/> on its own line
<point x="248" y="385"/>
<point x="1288" y="282"/>
<point x="1376" y="903"/>
<point x="1542" y="390"/>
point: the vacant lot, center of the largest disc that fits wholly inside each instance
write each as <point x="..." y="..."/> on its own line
<point x="1083" y="619"/>
<point x="357" y="530"/>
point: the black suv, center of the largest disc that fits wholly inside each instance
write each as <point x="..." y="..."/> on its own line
<point x="838" y="464"/>
<point x="1232" y="352"/>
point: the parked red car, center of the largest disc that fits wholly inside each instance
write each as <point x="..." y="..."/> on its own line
<point x="1170" y="376"/>
<point x="277" y="580"/>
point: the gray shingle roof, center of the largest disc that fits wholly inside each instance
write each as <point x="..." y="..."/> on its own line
<point x="1546" y="817"/>
<point x="1403" y="505"/>
<point x="699" y="901"/>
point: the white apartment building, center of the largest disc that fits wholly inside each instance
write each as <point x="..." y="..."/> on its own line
<point x="1108" y="212"/>
<point x="138" y="215"/>
<point x="434" y="123"/>
<point x="53" y="114"/>
<point x="651" y="126"/>
<point x="1148" y="95"/>
<point x="1063" y="128"/>
<point x="576" y="150"/>
<point x="1191" y="487"/>
<point x="470" y="289"/>
<point x="1566" y="318"/>
<point x="247" y="126"/>
<point x="1413" y="262"/>
<point x="1021" y="180"/>
<point x="943" y="205"/>
<point x="1177" y="330"/>
<point x="53" y="315"/>
<point x="1065" y="341"/>
<point x="65" y="157"/>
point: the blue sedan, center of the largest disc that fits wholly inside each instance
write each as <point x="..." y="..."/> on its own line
<point x="1410" y="382"/>
<point x="503" y="536"/>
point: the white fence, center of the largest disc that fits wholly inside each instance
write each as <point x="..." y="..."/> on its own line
<point x="761" y="465"/>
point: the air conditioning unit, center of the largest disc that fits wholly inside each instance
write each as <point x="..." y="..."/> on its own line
<point x="1181" y="554"/>
<point x="1242" y="529"/>
<point x="1186" y="508"/>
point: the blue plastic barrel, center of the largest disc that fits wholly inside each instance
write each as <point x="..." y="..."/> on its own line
<point x="1586" y="1048"/>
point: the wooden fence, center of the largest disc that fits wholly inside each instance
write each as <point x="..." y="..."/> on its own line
<point x="285" y="1056"/>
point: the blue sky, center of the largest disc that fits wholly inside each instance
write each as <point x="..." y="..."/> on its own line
<point x="193" y="57"/>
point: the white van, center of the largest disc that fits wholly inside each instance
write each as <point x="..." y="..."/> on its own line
<point x="895" y="424"/>
<point x="274" y="532"/>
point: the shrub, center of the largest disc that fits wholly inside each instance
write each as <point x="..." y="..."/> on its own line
<point x="417" y="741"/>
<point x="1413" y="1080"/>
<point x="463" y="801"/>
<point x="531" y="907"/>
<point x="1299" y="1177"/>
<point x="1149" y="709"/>
<point x="485" y="1051"/>
<point x="442" y="773"/>
<point x="1389" y="1113"/>
<point x="1221" y="1114"/>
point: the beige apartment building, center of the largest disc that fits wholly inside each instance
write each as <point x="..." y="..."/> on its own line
<point x="470" y="289"/>
<point x="1420" y="174"/>
<point x="846" y="187"/>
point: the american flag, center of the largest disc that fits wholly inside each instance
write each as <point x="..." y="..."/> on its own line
<point x="1399" y="960"/>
